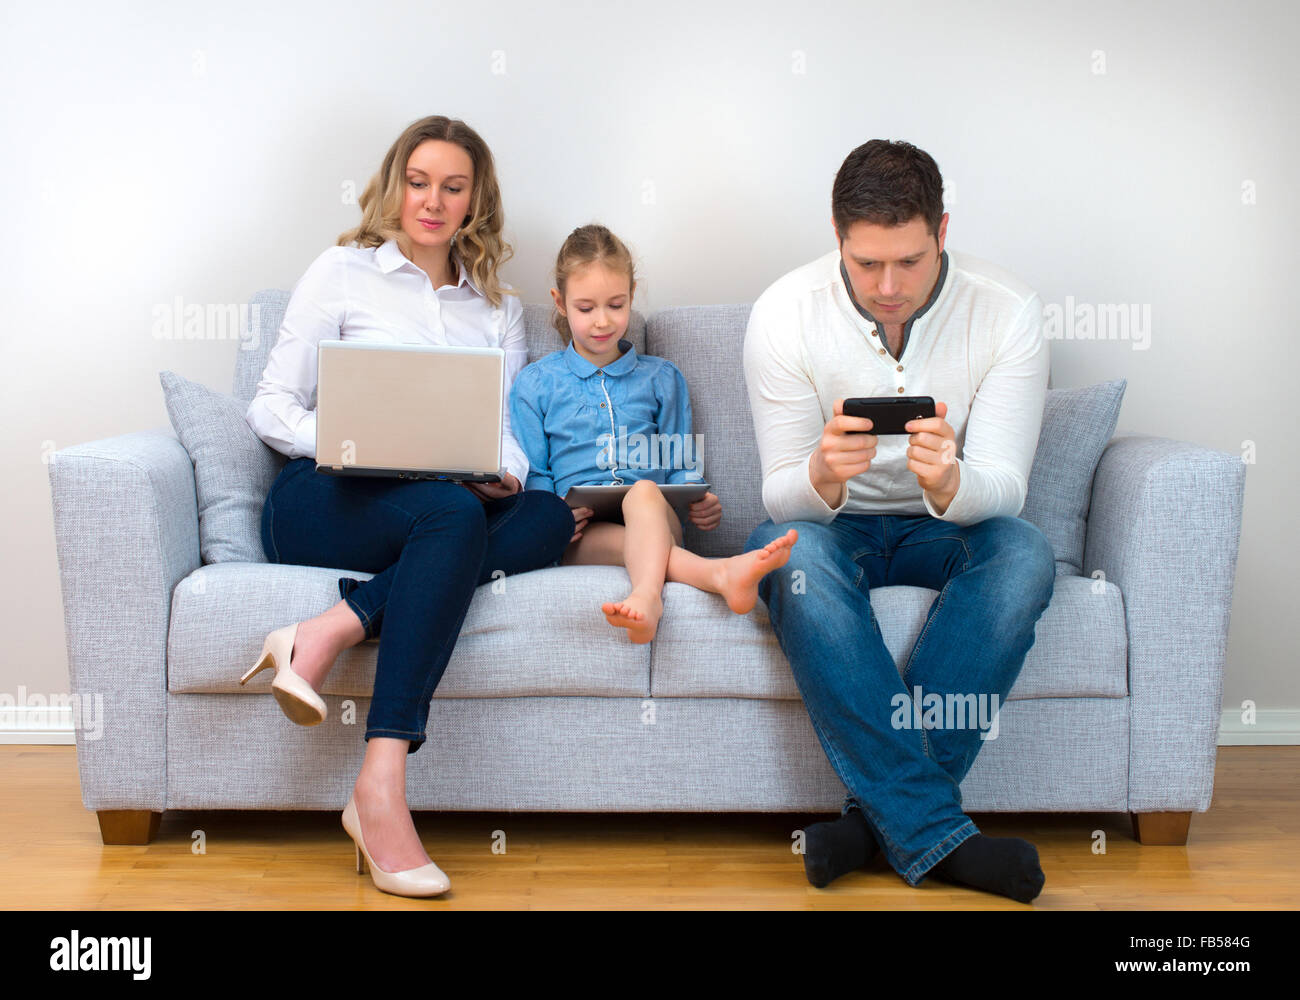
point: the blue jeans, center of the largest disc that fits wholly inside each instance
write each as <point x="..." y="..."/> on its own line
<point x="431" y="543"/>
<point x="994" y="579"/>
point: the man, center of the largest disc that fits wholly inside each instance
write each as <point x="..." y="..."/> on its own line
<point x="891" y="313"/>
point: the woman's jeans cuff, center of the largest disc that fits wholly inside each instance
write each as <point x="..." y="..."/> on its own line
<point x="369" y="621"/>
<point x="414" y="742"/>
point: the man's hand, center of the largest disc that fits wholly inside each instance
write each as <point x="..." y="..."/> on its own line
<point x="932" y="455"/>
<point x="706" y="512"/>
<point x="494" y="491"/>
<point x="846" y="450"/>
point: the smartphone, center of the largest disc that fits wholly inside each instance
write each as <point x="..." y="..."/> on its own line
<point x="889" y="414"/>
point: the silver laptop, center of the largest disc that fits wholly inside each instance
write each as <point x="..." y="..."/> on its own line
<point x="412" y="411"/>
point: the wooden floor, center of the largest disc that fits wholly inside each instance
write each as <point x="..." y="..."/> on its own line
<point x="1243" y="854"/>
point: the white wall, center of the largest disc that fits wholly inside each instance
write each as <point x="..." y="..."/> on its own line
<point x="172" y="149"/>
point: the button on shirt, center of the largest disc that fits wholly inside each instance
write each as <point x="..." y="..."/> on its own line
<point x="978" y="346"/>
<point x="377" y="295"/>
<point x="567" y="412"/>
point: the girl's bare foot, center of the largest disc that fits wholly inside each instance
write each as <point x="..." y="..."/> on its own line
<point x="638" y="613"/>
<point x="738" y="577"/>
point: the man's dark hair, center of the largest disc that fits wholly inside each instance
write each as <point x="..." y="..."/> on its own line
<point x="887" y="183"/>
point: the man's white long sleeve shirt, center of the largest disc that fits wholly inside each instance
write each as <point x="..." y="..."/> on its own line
<point x="976" y="345"/>
<point x="377" y="294"/>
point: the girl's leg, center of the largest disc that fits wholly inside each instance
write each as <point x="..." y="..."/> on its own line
<point x="734" y="578"/>
<point x="647" y="545"/>
<point x="601" y="544"/>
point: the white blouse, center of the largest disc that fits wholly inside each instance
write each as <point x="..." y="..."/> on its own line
<point x="377" y="294"/>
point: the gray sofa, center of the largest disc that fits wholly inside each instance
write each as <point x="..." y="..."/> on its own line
<point x="544" y="706"/>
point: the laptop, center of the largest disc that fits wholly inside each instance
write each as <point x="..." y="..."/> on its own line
<point x="410" y="411"/>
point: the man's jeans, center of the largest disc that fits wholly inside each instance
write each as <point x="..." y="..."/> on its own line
<point x="431" y="544"/>
<point x="994" y="579"/>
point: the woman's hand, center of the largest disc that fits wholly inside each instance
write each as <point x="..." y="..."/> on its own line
<point x="508" y="486"/>
<point x="581" y="515"/>
<point x="706" y="512"/>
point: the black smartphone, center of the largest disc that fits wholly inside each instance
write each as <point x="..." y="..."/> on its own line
<point x="889" y="414"/>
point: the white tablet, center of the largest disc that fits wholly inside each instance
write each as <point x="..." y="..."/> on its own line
<point x="606" y="502"/>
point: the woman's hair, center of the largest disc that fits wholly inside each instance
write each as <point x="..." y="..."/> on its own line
<point x="593" y="244"/>
<point x="478" y="244"/>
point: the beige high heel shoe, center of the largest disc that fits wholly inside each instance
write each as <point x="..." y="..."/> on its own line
<point x="427" y="880"/>
<point x="297" y="698"/>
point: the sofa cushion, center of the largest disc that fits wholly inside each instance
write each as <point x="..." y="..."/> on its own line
<point x="544" y="634"/>
<point x="1077" y="426"/>
<point x="265" y="314"/>
<point x="537" y="633"/>
<point x="702" y="650"/>
<point x="233" y="468"/>
<point x="706" y="343"/>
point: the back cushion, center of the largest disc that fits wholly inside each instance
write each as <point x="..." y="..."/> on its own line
<point x="233" y="468"/>
<point x="707" y="344"/>
<point x="1077" y="426"/>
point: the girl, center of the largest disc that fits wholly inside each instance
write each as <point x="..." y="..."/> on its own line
<point x="564" y="404"/>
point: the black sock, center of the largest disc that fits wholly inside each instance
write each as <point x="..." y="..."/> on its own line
<point x="1005" y="865"/>
<point x="837" y="848"/>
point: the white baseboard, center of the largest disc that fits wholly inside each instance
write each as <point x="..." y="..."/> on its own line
<point x="1272" y="727"/>
<point x="38" y="725"/>
<point x="53" y="726"/>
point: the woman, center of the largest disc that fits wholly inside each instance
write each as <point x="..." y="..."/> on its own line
<point x="423" y="270"/>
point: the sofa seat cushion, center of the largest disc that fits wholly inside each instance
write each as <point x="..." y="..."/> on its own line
<point x="703" y="650"/>
<point x="538" y="633"/>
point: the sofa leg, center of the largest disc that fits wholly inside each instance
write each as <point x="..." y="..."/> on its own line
<point x="128" y="826"/>
<point x="1161" y="828"/>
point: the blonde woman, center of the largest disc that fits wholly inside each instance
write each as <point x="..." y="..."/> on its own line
<point x="420" y="268"/>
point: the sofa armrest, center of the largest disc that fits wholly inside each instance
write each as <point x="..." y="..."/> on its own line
<point x="1164" y="526"/>
<point x="126" y="529"/>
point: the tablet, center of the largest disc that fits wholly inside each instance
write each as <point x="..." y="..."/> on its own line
<point x="606" y="502"/>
